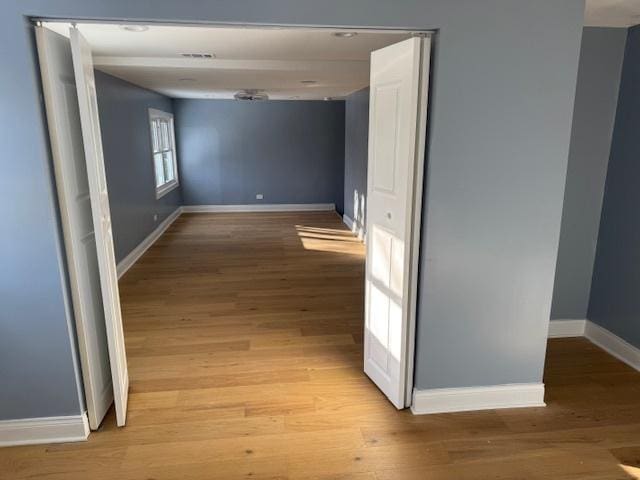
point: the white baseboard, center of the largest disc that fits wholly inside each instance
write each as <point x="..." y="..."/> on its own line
<point x="443" y="400"/>
<point x="273" y="207"/>
<point x="348" y="221"/>
<point x="32" y="431"/>
<point x="351" y="224"/>
<point x="127" y="262"/>
<point x="613" y="344"/>
<point x="566" y="328"/>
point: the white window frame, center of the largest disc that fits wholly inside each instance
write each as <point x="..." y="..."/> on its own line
<point x="172" y="184"/>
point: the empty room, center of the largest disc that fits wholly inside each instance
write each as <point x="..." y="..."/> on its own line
<point x="319" y="240"/>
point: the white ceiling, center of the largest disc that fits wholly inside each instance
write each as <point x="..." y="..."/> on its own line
<point x="612" y="13"/>
<point x="271" y="59"/>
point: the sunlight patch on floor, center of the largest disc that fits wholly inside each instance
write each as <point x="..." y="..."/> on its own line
<point x="328" y="240"/>
<point x="634" y="472"/>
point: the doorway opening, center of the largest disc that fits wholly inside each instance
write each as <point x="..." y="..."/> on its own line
<point x="260" y="272"/>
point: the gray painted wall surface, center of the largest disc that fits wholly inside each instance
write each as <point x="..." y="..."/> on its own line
<point x="615" y="303"/>
<point x="290" y="151"/>
<point x="503" y="88"/>
<point x="124" y="121"/>
<point x="594" y="114"/>
<point x="39" y="372"/>
<point x="356" y="151"/>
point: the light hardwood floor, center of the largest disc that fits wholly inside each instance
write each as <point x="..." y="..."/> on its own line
<point x="244" y="338"/>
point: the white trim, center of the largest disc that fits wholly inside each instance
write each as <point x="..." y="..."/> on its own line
<point x="613" y="344"/>
<point x="166" y="187"/>
<point x="416" y="224"/>
<point x="127" y="262"/>
<point x="32" y="431"/>
<point x="260" y="207"/>
<point x="348" y="221"/>
<point x="442" y="400"/>
<point x="353" y="226"/>
<point x="162" y="190"/>
<point x="567" y="328"/>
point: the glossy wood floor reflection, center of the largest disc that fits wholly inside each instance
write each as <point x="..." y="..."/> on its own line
<point x="244" y="336"/>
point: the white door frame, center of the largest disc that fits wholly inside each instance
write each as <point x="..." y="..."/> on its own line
<point x="416" y="226"/>
<point x="418" y="173"/>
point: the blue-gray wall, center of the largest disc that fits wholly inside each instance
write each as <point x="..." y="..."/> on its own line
<point x="290" y="151"/>
<point x="501" y="105"/>
<point x="615" y="302"/>
<point x="500" y="123"/>
<point x="124" y="121"/>
<point x="594" y="114"/>
<point x="356" y="152"/>
<point x="39" y="370"/>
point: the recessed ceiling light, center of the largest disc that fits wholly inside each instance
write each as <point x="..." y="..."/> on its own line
<point x="134" y="28"/>
<point x="344" y="34"/>
<point x="326" y="99"/>
<point x="187" y="79"/>
<point x="308" y="82"/>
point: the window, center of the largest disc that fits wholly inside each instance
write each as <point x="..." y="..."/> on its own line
<point x="163" y="145"/>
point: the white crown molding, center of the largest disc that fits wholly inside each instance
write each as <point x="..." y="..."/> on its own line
<point x="127" y="262"/>
<point x="32" y="431"/>
<point x="275" y="207"/>
<point x="444" y="400"/>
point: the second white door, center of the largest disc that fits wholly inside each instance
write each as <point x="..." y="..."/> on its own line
<point x="397" y="129"/>
<point x="91" y="135"/>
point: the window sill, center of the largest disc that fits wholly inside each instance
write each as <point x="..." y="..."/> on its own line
<point x="166" y="188"/>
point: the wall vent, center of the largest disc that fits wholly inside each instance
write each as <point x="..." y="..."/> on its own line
<point x="203" y="56"/>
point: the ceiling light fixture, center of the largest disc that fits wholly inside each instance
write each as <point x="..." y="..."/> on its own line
<point x="187" y="79"/>
<point x="344" y="34"/>
<point x="326" y="99"/>
<point x="251" y="94"/>
<point x="308" y="82"/>
<point x="134" y="28"/>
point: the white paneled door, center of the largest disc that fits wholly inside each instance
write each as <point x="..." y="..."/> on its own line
<point x="63" y="118"/>
<point x="90" y="123"/>
<point x="397" y="130"/>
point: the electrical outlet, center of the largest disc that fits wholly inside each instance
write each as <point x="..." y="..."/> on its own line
<point x="259" y="196"/>
<point x="155" y="217"/>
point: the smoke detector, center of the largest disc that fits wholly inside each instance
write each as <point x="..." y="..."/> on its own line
<point x="251" y="94"/>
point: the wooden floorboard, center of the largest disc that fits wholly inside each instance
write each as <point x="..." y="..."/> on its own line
<point x="244" y="341"/>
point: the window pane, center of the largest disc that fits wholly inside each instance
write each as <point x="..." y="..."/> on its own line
<point x="169" y="174"/>
<point x="154" y="135"/>
<point x="159" y="168"/>
<point x="165" y="134"/>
